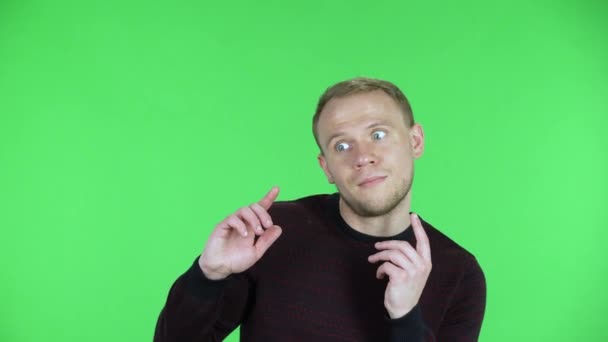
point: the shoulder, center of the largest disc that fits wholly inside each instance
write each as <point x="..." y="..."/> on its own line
<point x="309" y="201"/>
<point x="446" y="251"/>
<point x="305" y="208"/>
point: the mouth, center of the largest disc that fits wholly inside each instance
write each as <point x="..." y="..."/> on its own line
<point x="372" y="181"/>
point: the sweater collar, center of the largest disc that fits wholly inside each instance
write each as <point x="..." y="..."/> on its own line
<point x="334" y="209"/>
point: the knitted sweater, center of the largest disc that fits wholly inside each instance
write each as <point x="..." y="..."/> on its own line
<point x="315" y="284"/>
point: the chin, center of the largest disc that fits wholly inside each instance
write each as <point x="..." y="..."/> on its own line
<point x="377" y="202"/>
<point x="379" y="208"/>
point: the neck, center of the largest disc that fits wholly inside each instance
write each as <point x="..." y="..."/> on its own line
<point x="389" y="224"/>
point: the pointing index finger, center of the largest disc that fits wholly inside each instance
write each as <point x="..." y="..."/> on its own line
<point x="422" y="241"/>
<point x="269" y="198"/>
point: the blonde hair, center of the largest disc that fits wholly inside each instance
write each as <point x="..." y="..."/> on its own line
<point x="361" y="85"/>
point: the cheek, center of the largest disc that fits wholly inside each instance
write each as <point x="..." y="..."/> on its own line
<point x="338" y="160"/>
<point x="338" y="169"/>
<point x="401" y="159"/>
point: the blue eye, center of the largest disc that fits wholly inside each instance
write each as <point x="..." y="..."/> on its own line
<point x="342" y="147"/>
<point x="377" y="135"/>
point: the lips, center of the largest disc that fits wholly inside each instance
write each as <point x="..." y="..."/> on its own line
<point x="372" y="180"/>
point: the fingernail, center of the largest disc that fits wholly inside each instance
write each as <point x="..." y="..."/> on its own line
<point x="258" y="228"/>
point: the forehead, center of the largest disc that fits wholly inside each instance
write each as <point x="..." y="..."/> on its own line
<point x="359" y="109"/>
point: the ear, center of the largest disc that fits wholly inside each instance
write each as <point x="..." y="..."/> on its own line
<point x="323" y="164"/>
<point x="417" y="140"/>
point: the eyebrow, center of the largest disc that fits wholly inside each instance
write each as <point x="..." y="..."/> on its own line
<point x="372" y="125"/>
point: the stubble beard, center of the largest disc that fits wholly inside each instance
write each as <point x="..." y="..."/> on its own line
<point x="383" y="206"/>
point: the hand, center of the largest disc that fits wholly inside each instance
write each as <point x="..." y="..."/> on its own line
<point x="407" y="268"/>
<point x="232" y="247"/>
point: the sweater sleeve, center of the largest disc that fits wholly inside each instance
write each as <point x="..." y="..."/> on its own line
<point x="462" y="321"/>
<point x="200" y="309"/>
<point x="410" y="327"/>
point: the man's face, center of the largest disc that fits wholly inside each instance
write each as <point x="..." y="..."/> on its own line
<point x="368" y="151"/>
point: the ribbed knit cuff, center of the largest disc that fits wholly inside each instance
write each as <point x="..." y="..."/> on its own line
<point x="198" y="283"/>
<point x="407" y="328"/>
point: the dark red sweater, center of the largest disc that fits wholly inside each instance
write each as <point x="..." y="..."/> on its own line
<point x="315" y="284"/>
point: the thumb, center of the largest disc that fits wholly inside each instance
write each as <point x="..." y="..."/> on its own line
<point x="265" y="240"/>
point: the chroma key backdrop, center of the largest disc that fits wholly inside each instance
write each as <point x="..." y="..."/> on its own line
<point x="128" y="129"/>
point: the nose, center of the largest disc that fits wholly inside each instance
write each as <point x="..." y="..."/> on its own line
<point x="364" y="156"/>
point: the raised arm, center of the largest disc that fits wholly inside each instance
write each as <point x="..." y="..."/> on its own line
<point x="208" y="301"/>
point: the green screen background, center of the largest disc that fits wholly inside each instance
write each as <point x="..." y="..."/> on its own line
<point x="128" y="130"/>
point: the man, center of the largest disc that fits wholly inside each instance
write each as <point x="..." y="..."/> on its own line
<point x="352" y="266"/>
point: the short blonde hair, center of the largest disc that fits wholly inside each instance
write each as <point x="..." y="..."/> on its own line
<point x="360" y="85"/>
